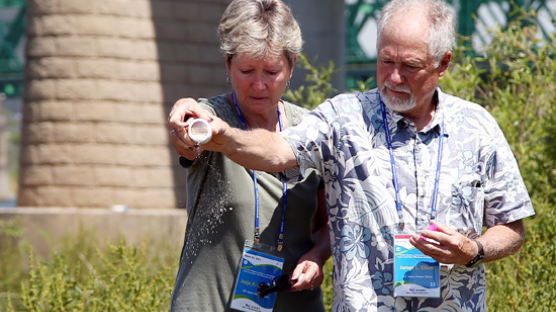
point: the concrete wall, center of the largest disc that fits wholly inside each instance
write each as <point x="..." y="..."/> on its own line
<point x="46" y="229"/>
<point x="94" y="120"/>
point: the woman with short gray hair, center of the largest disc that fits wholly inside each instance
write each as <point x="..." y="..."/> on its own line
<point x="260" y="41"/>
<point x="259" y="28"/>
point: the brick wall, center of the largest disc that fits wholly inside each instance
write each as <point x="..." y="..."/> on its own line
<point x="100" y="78"/>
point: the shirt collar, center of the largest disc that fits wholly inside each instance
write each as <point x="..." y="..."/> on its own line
<point x="441" y="114"/>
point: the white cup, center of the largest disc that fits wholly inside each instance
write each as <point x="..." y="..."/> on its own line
<point x="200" y="131"/>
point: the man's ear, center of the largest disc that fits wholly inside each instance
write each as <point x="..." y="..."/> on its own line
<point x="444" y="63"/>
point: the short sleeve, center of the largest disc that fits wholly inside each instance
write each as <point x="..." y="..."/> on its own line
<point x="310" y="140"/>
<point x="506" y="196"/>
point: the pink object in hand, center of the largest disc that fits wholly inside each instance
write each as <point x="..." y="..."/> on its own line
<point x="432" y="227"/>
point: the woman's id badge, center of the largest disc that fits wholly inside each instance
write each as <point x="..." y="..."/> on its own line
<point x="259" y="269"/>
<point x="415" y="274"/>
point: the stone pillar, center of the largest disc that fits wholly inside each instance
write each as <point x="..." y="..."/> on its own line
<point x="94" y="120"/>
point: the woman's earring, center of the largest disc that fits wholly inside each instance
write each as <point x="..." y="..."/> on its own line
<point x="288" y="84"/>
<point x="227" y="79"/>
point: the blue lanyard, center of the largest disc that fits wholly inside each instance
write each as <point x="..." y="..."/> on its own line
<point x="395" y="175"/>
<point x="256" y="187"/>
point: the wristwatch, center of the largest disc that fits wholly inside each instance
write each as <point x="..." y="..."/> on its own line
<point x="479" y="257"/>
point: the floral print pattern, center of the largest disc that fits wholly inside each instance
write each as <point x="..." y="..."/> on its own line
<point x="480" y="185"/>
<point x="353" y="241"/>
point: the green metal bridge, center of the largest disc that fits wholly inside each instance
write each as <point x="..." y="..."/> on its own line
<point x="12" y="31"/>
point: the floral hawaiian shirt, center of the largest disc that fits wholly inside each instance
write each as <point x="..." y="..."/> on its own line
<point x="480" y="185"/>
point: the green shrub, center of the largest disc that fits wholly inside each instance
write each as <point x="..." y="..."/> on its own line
<point x="124" y="281"/>
<point x="326" y="286"/>
<point x="13" y="261"/>
<point x="525" y="282"/>
<point x="317" y="86"/>
<point x="81" y="277"/>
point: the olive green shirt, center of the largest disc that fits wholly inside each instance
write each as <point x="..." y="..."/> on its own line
<point x="221" y="205"/>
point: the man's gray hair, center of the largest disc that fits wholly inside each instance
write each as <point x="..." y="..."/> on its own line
<point x="259" y="28"/>
<point x="442" y="35"/>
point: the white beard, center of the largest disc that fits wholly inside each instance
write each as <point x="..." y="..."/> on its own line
<point x="395" y="103"/>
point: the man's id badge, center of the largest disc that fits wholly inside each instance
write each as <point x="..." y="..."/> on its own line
<point x="415" y="274"/>
<point x="259" y="268"/>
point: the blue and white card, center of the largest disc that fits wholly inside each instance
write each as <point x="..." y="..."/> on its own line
<point x="257" y="267"/>
<point x="415" y="274"/>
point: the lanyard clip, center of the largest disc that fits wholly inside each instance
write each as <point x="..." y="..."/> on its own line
<point x="256" y="239"/>
<point x="280" y="242"/>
